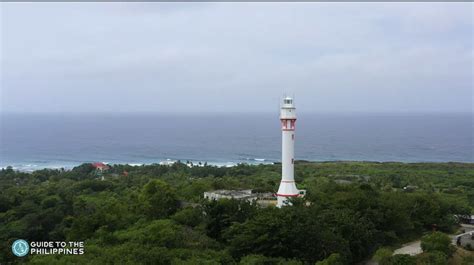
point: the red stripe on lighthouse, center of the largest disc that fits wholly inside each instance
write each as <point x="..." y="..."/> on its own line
<point x="288" y="195"/>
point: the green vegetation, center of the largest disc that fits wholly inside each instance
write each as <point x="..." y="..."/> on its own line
<point x="156" y="215"/>
<point x="333" y="259"/>
<point x="437" y="242"/>
<point x="429" y="258"/>
<point x="400" y="259"/>
<point x="382" y="253"/>
<point x="432" y="258"/>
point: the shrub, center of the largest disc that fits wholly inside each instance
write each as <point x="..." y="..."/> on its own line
<point x="333" y="259"/>
<point x="382" y="253"/>
<point x="432" y="258"/>
<point x="468" y="246"/>
<point x="398" y="260"/>
<point x="436" y="241"/>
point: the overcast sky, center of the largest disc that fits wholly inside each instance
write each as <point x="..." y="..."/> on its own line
<point x="236" y="57"/>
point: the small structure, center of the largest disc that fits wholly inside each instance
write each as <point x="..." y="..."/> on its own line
<point x="167" y="162"/>
<point x="410" y="188"/>
<point x="230" y="194"/>
<point x="99" y="166"/>
<point x="343" y="181"/>
<point x="266" y="199"/>
<point x="465" y="240"/>
<point x="263" y="199"/>
<point x="469" y="219"/>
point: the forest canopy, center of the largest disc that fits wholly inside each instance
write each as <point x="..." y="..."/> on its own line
<point x="156" y="214"/>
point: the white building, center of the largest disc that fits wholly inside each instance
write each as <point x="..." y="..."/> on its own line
<point x="230" y="194"/>
<point x="287" y="187"/>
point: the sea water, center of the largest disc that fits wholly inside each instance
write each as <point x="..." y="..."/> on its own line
<point x="33" y="141"/>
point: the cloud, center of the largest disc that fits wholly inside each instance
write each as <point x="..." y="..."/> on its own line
<point x="186" y="57"/>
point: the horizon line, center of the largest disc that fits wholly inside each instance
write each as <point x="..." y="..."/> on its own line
<point x="230" y="112"/>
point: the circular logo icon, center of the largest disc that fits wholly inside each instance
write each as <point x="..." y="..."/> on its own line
<point x="20" y="248"/>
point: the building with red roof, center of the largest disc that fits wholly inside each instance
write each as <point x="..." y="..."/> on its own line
<point x="100" y="166"/>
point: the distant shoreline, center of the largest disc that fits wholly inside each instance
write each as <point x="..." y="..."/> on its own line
<point x="228" y="140"/>
<point x="32" y="168"/>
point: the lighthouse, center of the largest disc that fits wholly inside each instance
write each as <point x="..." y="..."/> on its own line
<point x="288" y="121"/>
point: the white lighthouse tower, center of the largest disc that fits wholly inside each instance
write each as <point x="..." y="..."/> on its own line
<point x="287" y="185"/>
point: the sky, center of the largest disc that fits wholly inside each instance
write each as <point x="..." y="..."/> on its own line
<point x="236" y="57"/>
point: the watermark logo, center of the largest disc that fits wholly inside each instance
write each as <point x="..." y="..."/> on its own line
<point x="20" y="248"/>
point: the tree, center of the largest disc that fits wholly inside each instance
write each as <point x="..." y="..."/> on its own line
<point x="289" y="233"/>
<point x="262" y="260"/>
<point x="117" y="217"/>
<point x="189" y="216"/>
<point x="221" y="214"/>
<point x="382" y="253"/>
<point x="159" y="199"/>
<point x="436" y="241"/>
<point x="91" y="212"/>
<point x="432" y="258"/>
<point x="398" y="260"/>
<point x="333" y="259"/>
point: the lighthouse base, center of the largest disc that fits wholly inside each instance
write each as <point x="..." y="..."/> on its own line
<point x="287" y="190"/>
<point x="283" y="201"/>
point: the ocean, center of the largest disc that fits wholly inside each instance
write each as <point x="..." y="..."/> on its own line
<point x="34" y="141"/>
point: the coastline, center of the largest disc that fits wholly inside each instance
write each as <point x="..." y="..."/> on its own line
<point x="31" y="167"/>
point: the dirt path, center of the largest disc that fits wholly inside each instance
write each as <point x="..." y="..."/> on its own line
<point x="412" y="248"/>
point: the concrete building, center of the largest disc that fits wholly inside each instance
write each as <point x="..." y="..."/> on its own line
<point x="230" y="194"/>
<point x="287" y="187"/>
<point x="263" y="199"/>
